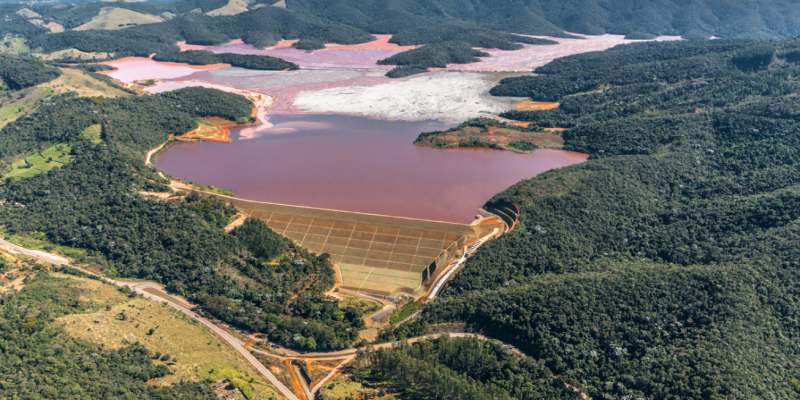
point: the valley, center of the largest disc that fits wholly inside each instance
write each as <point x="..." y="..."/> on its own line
<point x="399" y="200"/>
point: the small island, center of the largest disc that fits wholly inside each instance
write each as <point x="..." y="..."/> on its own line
<point x="493" y="134"/>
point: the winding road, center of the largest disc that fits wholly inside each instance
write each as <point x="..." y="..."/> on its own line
<point x="146" y="289"/>
<point x="139" y="287"/>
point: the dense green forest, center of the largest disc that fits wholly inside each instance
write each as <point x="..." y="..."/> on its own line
<point x="431" y="56"/>
<point x="470" y="34"/>
<point x="93" y="203"/>
<point x="248" y="61"/>
<point x="309" y="44"/>
<point x="664" y="266"/>
<point x="468" y="368"/>
<point x="19" y="73"/>
<point x="697" y="19"/>
<point x="40" y="360"/>
<point x="638" y="20"/>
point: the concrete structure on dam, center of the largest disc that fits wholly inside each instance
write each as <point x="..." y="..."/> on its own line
<point x="376" y="254"/>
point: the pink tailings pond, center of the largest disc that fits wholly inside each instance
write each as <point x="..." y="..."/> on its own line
<point x="357" y="164"/>
<point x="337" y="161"/>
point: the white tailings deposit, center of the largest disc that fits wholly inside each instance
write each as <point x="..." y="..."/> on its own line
<point x="446" y="96"/>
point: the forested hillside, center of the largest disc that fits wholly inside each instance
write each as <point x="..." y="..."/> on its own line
<point x="19" y="73"/>
<point x="468" y="368"/>
<point x="247" y="277"/>
<point x="248" y="61"/>
<point x="40" y="360"/>
<point x="663" y="267"/>
<point x="697" y="19"/>
<point x="262" y="27"/>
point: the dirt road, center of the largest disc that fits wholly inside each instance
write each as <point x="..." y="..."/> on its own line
<point x="156" y="292"/>
<point x="140" y="288"/>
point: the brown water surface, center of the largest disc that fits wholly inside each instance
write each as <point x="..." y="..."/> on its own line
<point x="357" y="164"/>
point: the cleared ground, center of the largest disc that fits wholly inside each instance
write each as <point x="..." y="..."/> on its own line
<point x="342" y="388"/>
<point x="93" y="133"/>
<point x="54" y="27"/>
<point x="232" y="8"/>
<point x="112" y="18"/>
<point x="13" y="46"/>
<point x="530" y="105"/>
<point x="28" y="13"/>
<point x="71" y="80"/>
<point x="447" y="96"/>
<point x="13" y="279"/>
<point x="209" y="129"/>
<point x="74" y="54"/>
<point x="194" y="352"/>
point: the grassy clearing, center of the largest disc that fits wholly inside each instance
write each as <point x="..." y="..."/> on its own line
<point x="191" y="351"/>
<point x="17" y="104"/>
<point x="232" y="8"/>
<point x="28" y="13"/>
<point x="404" y="312"/>
<point x="341" y="388"/>
<point x="52" y="26"/>
<point x="14" y="280"/>
<point x="503" y="137"/>
<point x="366" y="307"/>
<point x="249" y="386"/>
<point x="224" y="192"/>
<point x="83" y="84"/>
<point x="93" y="133"/>
<point x="44" y="161"/>
<point x="74" y="54"/>
<point x="38" y="241"/>
<point x="13" y="46"/>
<point x="112" y="18"/>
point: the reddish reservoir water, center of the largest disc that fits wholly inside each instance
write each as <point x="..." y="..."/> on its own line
<point x="357" y="164"/>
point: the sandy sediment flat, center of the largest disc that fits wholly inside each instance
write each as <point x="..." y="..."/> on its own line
<point x="447" y="96"/>
<point x="532" y="56"/>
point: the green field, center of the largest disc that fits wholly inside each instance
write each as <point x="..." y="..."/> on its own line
<point x="93" y="133"/>
<point x="224" y="192"/>
<point x="404" y="312"/>
<point x="112" y="18"/>
<point x="46" y="160"/>
<point x="13" y="46"/>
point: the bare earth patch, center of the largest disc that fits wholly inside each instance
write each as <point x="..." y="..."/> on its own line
<point x="240" y="218"/>
<point x="54" y="27"/>
<point x="530" y="105"/>
<point x="13" y="279"/>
